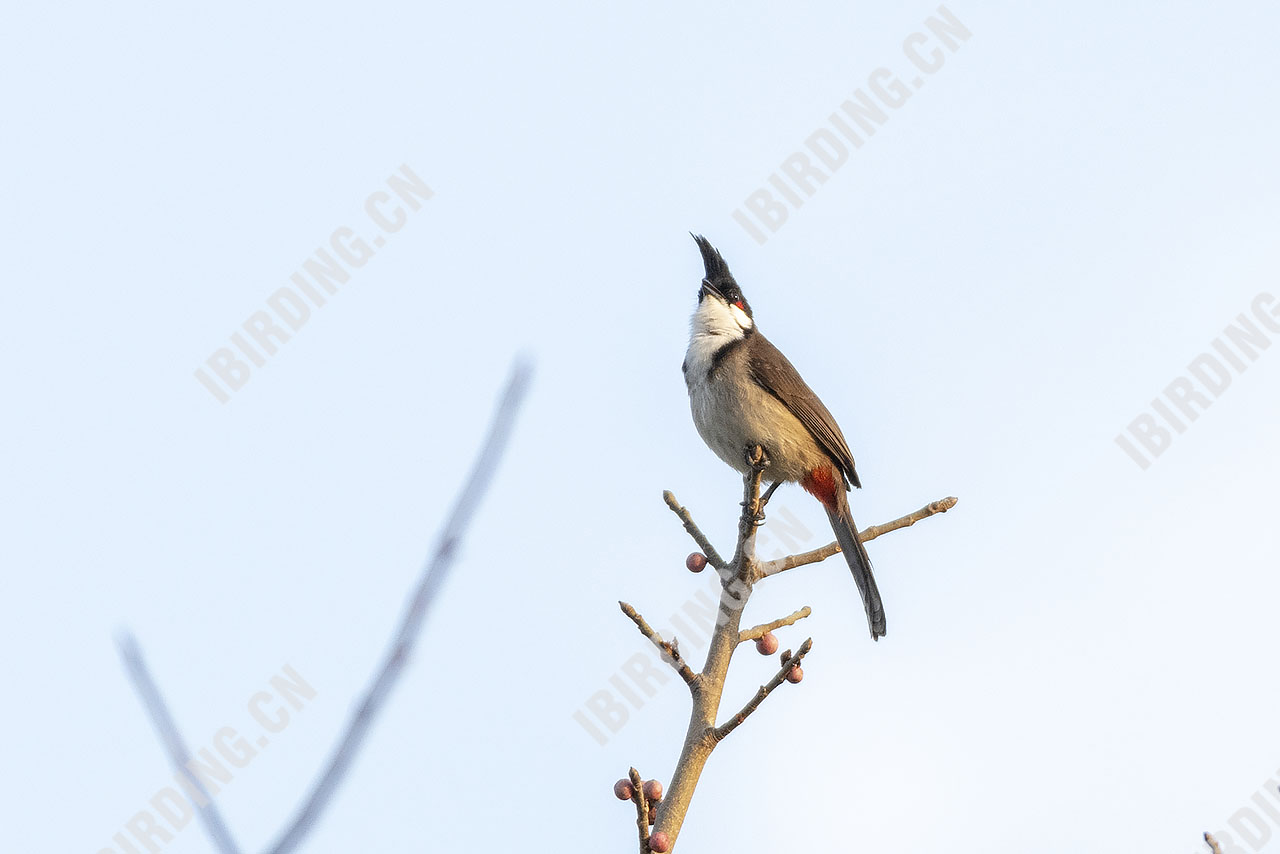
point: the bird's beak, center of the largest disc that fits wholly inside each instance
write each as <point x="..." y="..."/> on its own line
<point x="708" y="288"/>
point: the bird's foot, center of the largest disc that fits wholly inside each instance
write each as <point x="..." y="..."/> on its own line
<point x="758" y="519"/>
<point x="757" y="458"/>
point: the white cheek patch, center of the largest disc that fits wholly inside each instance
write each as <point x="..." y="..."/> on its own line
<point x="715" y="324"/>
<point x="716" y="318"/>
<point x="712" y="317"/>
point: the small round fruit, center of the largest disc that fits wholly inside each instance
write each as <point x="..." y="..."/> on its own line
<point x="696" y="562"/>
<point x="660" y="843"/>
<point x="653" y="790"/>
<point x="796" y="674"/>
<point x="624" y="790"/>
<point x="767" y="644"/>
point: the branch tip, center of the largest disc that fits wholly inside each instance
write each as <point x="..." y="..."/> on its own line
<point x="175" y="745"/>
<point x="765" y="690"/>
<point x="642" y="809"/>
<point x="670" y="650"/>
<point x="866" y="535"/>
<point x="713" y="556"/>
<point x="757" y="632"/>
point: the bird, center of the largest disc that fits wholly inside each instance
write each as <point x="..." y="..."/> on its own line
<point x="744" y="393"/>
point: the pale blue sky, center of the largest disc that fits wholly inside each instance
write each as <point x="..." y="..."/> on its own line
<point x="1027" y="252"/>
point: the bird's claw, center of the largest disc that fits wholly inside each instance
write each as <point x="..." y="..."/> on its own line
<point x="758" y="518"/>
<point x="757" y="458"/>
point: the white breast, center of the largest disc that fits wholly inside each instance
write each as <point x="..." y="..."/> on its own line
<point x="733" y="413"/>
<point x="732" y="416"/>
<point x="716" y="412"/>
<point x="714" y="325"/>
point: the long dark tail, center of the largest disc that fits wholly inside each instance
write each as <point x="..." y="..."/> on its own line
<point x="859" y="563"/>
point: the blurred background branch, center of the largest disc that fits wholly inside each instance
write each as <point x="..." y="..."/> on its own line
<point x="429" y="585"/>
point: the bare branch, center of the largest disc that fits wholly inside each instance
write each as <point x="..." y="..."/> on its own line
<point x="765" y="690"/>
<point x="670" y="651"/>
<point x="737" y="578"/>
<point x="866" y="535"/>
<point x="1213" y="843"/>
<point x="713" y="556"/>
<point x="642" y="809"/>
<point x="744" y="554"/>
<point x="706" y="691"/>
<point x="764" y="628"/>
<point x="429" y="584"/>
<point x="162" y="720"/>
<point x="942" y="505"/>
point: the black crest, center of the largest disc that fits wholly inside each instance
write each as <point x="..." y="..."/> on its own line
<point x="718" y="275"/>
<point x="717" y="271"/>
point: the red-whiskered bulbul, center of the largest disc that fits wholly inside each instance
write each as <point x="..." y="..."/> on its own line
<point x="745" y="393"/>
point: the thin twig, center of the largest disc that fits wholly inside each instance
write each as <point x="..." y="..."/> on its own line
<point x="866" y="535"/>
<point x="670" y="651"/>
<point x="765" y="690"/>
<point x="713" y="556"/>
<point x="642" y="809"/>
<point x="782" y="564"/>
<point x="432" y="578"/>
<point x="162" y="720"/>
<point x="763" y="629"/>
<point x="942" y="505"/>
<point x="1213" y="843"/>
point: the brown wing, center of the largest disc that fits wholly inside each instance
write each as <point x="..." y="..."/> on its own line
<point x="773" y="372"/>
